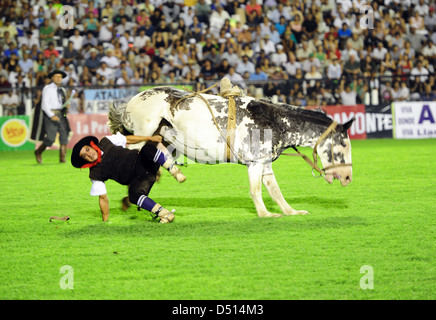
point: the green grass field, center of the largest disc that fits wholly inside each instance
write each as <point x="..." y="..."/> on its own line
<point x="217" y="248"/>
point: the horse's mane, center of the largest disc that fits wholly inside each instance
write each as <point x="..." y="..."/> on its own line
<point x="317" y="116"/>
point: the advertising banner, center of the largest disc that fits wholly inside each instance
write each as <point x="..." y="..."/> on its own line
<point x="414" y="120"/>
<point x="342" y="114"/>
<point x="378" y="122"/>
<point x="14" y="133"/>
<point x="83" y="125"/>
<point x="99" y="100"/>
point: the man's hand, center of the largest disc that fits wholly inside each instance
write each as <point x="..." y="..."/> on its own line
<point x="55" y="118"/>
<point x="155" y="138"/>
<point x="104" y="206"/>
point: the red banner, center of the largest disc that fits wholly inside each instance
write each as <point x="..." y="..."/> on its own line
<point x="342" y="114"/>
<point x="83" y="125"/>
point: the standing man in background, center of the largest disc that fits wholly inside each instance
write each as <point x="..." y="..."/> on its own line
<point x="54" y="116"/>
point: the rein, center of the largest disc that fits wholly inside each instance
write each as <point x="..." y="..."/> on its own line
<point x="314" y="164"/>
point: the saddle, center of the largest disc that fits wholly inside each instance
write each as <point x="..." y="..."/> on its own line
<point x="228" y="91"/>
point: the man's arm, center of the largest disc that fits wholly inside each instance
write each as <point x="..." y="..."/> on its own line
<point x="131" y="139"/>
<point x="104" y="206"/>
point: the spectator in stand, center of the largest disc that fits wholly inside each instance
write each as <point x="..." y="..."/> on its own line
<point x="51" y="51"/>
<point x="112" y="62"/>
<point x="292" y="65"/>
<point x="231" y="56"/>
<point x="310" y="26"/>
<point x="258" y="74"/>
<point x="419" y="72"/>
<point x="245" y="66"/>
<point x="400" y="92"/>
<point x="10" y="103"/>
<point x="236" y="78"/>
<point x="347" y="93"/>
<point x="429" y="52"/>
<point x="430" y="21"/>
<point x="70" y="55"/>
<point x="253" y="12"/>
<point x="429" y="94"/>
<point x="352" y="67"/>
<point x="104" y="74"/>
<point x="26" y="63"/>
<point x="203" y="11"/>
<point x="46" y="33"/>
<point x="207" y="71"/>
<point x="140" y="40"/>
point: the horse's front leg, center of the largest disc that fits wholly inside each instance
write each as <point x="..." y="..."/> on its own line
<point x="270" y="182"/>
<point x="255" y="171"/>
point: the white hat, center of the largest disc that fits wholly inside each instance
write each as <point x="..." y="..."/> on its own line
<point x="192" y="41"/>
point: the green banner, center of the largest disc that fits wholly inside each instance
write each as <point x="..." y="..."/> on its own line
<point x="14" y="133"/>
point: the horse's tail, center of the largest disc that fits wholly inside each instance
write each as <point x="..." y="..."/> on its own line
<point x="115" y="116"/>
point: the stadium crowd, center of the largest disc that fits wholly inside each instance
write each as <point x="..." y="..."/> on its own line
<point x="318" y="51"/>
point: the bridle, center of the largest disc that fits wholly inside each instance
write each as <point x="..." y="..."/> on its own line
<point x="314" y="164"/>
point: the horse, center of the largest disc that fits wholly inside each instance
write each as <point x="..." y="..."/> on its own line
<point x="196" y="125"/>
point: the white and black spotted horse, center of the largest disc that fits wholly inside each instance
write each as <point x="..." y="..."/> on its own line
<point x="195" y="126"/>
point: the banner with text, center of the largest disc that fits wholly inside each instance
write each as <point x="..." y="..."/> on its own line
<point x="99" y="100"/>
<point x="415" y="120"/>
<point x="83" y="125"/>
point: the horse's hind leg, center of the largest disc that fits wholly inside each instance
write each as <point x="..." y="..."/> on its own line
<point x="270" y="182"/>
<point x="255" y="177"/>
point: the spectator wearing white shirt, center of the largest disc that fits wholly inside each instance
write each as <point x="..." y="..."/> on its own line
<point x="279" y="58"/>
<point x="77" y="40"/>
<point x="348" y="95"/>
<point x="275" y="14"/>
<point x="292" y="65"/>
<point x="419" y="71"/>
<point x="104" y="72"/>
<point x="334" y="70"/>
<point x="379" y="52"/>
<point x="265" y="44"/>
<point x="112" y="62"/>
<point x="10" y="103"/>
<point x="245" y="66"/>
<point x="140" y="40"/>
<point x="235" y="78"/>
<point x="105" y="30"/>
<point x="422" y="8"/>
<point x="429" y="52"/>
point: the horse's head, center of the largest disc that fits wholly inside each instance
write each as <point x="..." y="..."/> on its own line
<point x="335" y="153"/>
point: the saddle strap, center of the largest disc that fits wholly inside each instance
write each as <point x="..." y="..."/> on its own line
<point x="231" y="127"/>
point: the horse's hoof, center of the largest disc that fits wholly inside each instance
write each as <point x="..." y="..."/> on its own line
<point x="296" y="212"/>
<point x="270" y="215"/>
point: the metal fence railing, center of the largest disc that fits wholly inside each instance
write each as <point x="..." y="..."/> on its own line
<point x="380" y="90"/>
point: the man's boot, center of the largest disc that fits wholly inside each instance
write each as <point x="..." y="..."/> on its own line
<point x="163" y="214"/>
<point x="174" y="170"/>
<point x="62" y="153"/>
<point x="39" y="151"/>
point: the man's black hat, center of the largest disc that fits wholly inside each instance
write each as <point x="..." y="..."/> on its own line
<point x="57" y="71"/>
<point x="76" y="160"/>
